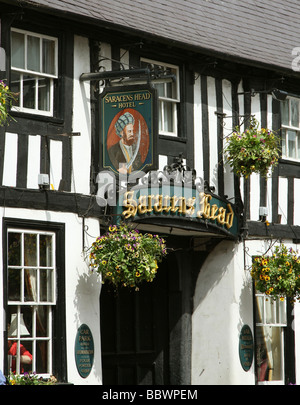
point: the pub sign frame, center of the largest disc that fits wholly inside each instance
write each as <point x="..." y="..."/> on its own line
<point x="131" y="108"/>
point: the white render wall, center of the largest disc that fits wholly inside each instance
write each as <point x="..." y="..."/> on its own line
<point x="222" y="305"/>
<point x="82" y="289"/>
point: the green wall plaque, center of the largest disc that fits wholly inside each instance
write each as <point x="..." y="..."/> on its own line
<point x="246" y="347"/>
<point x="84" y="350"/>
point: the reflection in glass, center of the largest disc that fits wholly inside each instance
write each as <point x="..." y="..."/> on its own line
<point x="17" y="50"/>
<point x="28" y="91"/>
<point x="46" y="285"/>
<point x="46" y="250"/>
<point x="294" y="112"/>
<point x="33" y="53"/>
<point x="30" y="293"/>
<point x="14" y="249"/>
<point x="48" y="56"/>
<point x="30" y="249"/>
<point x="14" y="284"/>
<point x="44" y="94"/>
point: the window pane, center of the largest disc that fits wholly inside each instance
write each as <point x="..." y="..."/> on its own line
<point x="26" y="350"/>
<point x="30" y="293"/>
<point x="14" y="284"/>
<point x="46" y="285"/>
<point x="42" y="357"/>
<point x="14" y="249"/>
<point x="42" y="329"/>
<point x="46" y="250"/>
<point x="29" y="92"/>
<point x="269" y="353"/>
<point x="291" y="135"/>
<point x="160" y="89"/>
<point x="15" y="87"/>
<point x="17" y="50"/>
<point x="48" y="56"/>
<point x="44" y="94"/>
<point x="30" y="247"/>
<point x="283" y="143"/>
<point x="294" y="113"/>
<point x="33" y="53"/>
<point x="168" y="117"/>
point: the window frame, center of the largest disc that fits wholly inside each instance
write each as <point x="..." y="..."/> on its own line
<point x="57" y="325"/>
<point x="289" y="127"/>
<point x="162" y="100"/>
<point x="36" y="75"/>
<point x="274" y="324"/>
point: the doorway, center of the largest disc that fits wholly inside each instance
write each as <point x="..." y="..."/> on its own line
<point x="135" y="333"/>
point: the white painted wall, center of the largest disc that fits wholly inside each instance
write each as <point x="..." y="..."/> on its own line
<point x="222" y="305"/>
<point x="82" y="289"/>
<point x="81" y="118"/>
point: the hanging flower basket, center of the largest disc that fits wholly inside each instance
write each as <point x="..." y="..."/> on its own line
<point x="278" y="275"/>
<point x="126" y="257"/>
<point x="6" y="100"/>
<point x="254" y="150"/>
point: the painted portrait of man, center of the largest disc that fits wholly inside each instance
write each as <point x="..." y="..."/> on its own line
<point x="129" y="129"/>
<point x="127" y="150"/>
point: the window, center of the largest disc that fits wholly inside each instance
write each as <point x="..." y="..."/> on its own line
<point x="33" y="71"/>
<point x="271" y="322"/>
<point x="290" y="117"/>
<point x="168" y="96"/>
<point x="31" y="293"/>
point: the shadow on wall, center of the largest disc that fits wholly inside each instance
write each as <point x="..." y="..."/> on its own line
<point x="87" y="310"/>
<point x="212" y="271"/>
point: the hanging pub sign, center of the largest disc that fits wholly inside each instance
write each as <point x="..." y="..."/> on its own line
<point x="128" y="128"/>
<point x="160" y="204"/>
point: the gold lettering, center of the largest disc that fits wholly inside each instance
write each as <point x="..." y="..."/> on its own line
<point x="190" y="205"/>
<point x="229" y="217"/>
<point x="130" y="204"/>
<point x="142" y="207"/>
<point x="205" y="206"/>
<point x="182" y="205"/>
<point x="221" y="216"/>
<point x="166" y="205"/>
<point x="213" y="211"/>
<point x="158" y="205"/>
<point x="174" y="201"/>
<point x="150" y="196"/>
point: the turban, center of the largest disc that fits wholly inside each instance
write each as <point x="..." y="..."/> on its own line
<point x="123" y="120"/>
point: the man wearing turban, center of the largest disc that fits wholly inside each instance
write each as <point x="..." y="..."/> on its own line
<point x="123" y="154"/>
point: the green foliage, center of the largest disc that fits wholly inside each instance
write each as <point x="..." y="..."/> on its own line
<point x="6" y="99"/>
<point x="126" y="257"/>
<point x="254" y="150"/>
<point x="279" y="274"/>
<point x="30" y="379"/>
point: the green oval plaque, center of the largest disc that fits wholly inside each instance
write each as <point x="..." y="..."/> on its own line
<point x="246" y="347"/>
<point x="84" y="350"/>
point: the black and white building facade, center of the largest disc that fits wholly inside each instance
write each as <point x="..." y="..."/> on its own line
<point x="186" y="327"/>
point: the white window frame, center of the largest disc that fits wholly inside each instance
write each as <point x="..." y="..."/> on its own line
<point x="290" y="127"/>
<point x="36" y="303"/>
<point x="277" y="323"/>
<point x="36" y="75"/>
<point x="174" y="101"/>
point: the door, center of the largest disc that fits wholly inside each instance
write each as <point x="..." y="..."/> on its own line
<point x="135" y="333"/>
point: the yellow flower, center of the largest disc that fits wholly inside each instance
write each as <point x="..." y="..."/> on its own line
<point x="104" y="262"/>
<point x="137" y="274"/>
<point x="281" y="298"/>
